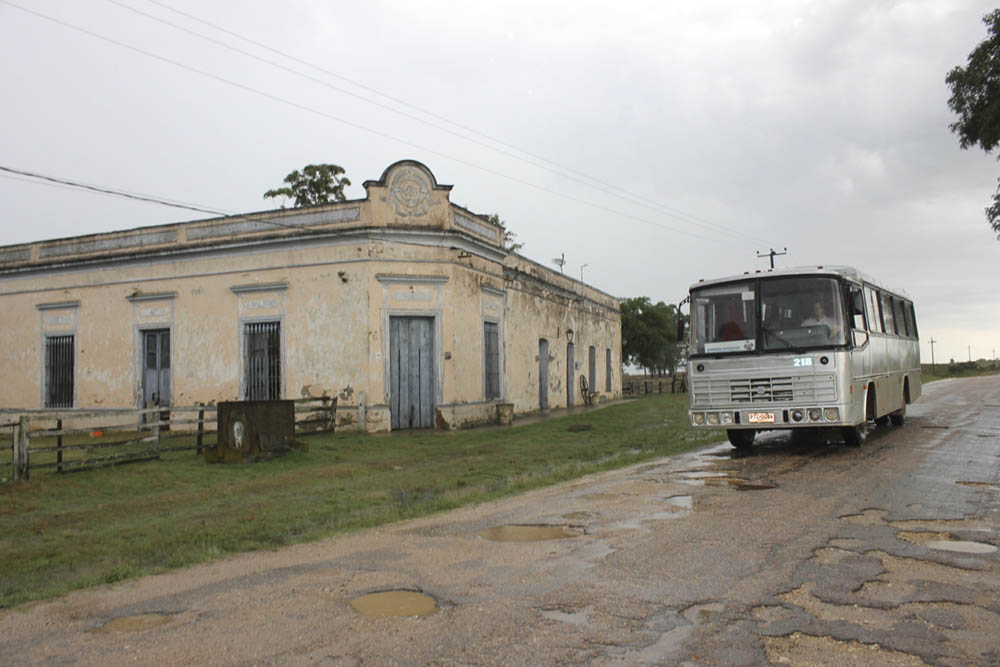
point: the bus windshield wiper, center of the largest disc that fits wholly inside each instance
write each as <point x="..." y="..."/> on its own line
<point x="773" y="333"/>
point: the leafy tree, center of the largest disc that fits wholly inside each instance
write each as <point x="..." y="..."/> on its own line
<point x="315" y="184"/>
<point x="508" y="236"/>
<point x="975" y="98"/>
<point x="649" y="334"/>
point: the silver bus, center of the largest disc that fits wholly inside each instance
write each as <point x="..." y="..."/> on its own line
<point x="815" y="347"/>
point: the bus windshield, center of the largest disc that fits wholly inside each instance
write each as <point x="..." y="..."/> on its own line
<point x="794" y="313"/>
<point x="801" y="312"/>
<point x="723" y="319"/>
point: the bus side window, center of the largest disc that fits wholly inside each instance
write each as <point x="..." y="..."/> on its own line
<point x="899" y="316"/>
<point x="890" y="324"/>
<point x="874" y="313"/>
<point x="911" y="326"/>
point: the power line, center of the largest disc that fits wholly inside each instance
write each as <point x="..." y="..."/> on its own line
<point x="591" y="181"/>
<point x="363" y="128"/>
<point x="150" y="199"/>
<point x="111" y="191"/>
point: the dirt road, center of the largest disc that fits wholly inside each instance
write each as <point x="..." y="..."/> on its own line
<point x="801" y="552"/>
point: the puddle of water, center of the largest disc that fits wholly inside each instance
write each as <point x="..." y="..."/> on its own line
<point x="961" y="546"/>
<point x="755" y="487"/>
<point x="682" y="502"/>
<point x="134" y="623"/>
<point x="529" y="533"/>
<point x="697" y="474"/>
<point x="394" y="603"/>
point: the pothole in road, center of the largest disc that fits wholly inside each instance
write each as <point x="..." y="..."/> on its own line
<point x="921" y="537"/>
<point x="980" y="485"/>
<point x="869" y="517"/>
<point x="394" y="603"/>
<point x="715" y="480"/>
<point x="800" y="649"/>
<point x="680" y="502"/>
<point x="529" y="533"/>
<point x="134" y="623"/>
<point x="755" y="487"/>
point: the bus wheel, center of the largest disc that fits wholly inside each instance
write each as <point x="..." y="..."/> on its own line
<point x="855" y="435"/>
<point x="741" y="438"/>
<point x="899" y="416"/>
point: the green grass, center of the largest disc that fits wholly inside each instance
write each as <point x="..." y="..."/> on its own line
<point x="64" y="532"/>
<point x="962" y="369"/>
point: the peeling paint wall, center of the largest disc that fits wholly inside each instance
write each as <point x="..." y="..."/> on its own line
<point x="333" y="282"/>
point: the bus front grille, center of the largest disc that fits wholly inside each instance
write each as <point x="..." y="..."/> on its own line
<point x="712" y="392"/>
<point x="762" y="390"/>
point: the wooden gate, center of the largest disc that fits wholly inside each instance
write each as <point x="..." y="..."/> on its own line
<point x="411" y="372"/>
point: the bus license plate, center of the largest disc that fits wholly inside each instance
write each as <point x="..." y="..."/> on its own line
<point x="761" y="417"/>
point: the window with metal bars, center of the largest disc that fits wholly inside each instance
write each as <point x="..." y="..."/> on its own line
<point x="59" y="363"/>
<point x="607" y="370"/>
<point x="491" y="342"/>
<point x="262" y="361"/>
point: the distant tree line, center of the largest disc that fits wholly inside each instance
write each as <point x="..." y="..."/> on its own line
<point x="649" y="335"/>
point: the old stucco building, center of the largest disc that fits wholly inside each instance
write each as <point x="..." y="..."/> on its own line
<point x="402" y="304"/>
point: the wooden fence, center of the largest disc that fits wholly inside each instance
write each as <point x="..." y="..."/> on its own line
<point x="129" y="436"/>
<point x="667" y="384"/>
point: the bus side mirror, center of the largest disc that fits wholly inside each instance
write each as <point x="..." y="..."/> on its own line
<point x="680" y="328"/>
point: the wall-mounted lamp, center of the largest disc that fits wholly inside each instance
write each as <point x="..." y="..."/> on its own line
<point x="569" y="335"/>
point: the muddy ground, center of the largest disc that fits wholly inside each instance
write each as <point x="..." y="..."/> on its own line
<point x="803" y="551"/>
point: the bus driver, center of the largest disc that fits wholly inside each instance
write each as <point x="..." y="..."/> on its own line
<point x="819" y="317"/>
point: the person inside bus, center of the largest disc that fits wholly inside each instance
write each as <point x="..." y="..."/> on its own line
<point x="731" y="328"/>
<point x="819" y="317"/>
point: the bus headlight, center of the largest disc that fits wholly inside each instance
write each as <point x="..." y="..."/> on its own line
<point x="832" y="414"/>
<point x="797" y="415"/>
<point x="727" y="418"/>
<point x="699" y="418"/>
<point x="815" y="414"/>
<point x="713" y="418"/>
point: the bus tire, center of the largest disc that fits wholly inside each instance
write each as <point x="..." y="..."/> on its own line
<point x="741" y="438"/>
<point x="899" y="416"/>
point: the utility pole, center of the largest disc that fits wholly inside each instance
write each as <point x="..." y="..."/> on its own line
<point x="772" y="254"/>
<point x="932" y="354"/>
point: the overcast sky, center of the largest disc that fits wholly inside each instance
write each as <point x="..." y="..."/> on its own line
<point x="652" y="143"/>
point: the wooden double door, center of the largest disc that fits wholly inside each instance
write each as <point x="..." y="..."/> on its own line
<point x="411" y="372"/>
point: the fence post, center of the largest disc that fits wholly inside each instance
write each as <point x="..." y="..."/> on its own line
<point x="333" y="414"/>
<point x="21" y="449"/>
<point x="201" y="426"/>
<point x="156" y="435"/>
